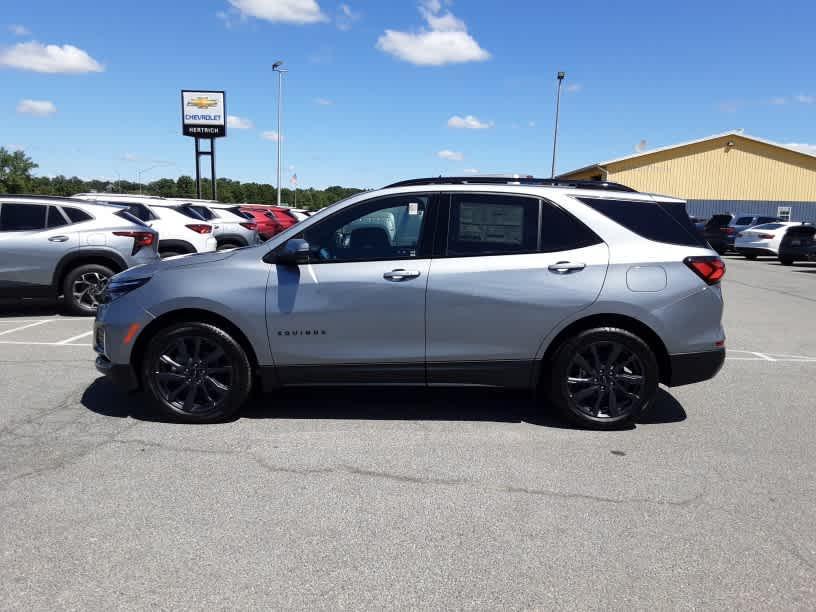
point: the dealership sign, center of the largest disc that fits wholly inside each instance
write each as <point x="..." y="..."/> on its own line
<point x="203" y="114"/>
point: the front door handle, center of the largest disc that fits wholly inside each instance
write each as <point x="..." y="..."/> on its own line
<point x="400" y="275"/>
<point x="58" y="239"/>
<point x="566" y="267"/>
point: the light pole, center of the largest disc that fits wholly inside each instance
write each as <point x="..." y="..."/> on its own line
<point x="276" y="67"/>
<point x="139" y="173"/>
<point x="561" y="76"/>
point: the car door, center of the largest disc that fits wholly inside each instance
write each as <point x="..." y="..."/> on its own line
<point x="509" y="269"/>
<point x="356" y="312"/>
<point x="34" y="237"/>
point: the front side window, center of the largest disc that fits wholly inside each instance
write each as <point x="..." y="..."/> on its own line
<point x="492" y="225"/>
<point x="22" y="217"/>
<point x="386" y="228"/>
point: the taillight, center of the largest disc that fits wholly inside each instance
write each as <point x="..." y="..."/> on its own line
<point x="250" y="226"/>
<point x="708" y="267"/>
<point x="727" y="230"/>
<point x="200" y="228"/>
<point x="765" y="236"/>
<point x="140" y="239"/>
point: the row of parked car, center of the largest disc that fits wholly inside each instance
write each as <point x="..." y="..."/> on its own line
<point x="755" y="236"/>
<point x="72" y="246"/>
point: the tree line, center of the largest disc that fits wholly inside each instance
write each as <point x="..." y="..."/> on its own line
<point x="16" y="178"/>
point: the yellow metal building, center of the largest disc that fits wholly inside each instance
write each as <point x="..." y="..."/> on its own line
<point x="725" y="172"/>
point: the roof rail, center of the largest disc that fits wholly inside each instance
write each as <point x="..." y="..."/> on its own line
<point x="39" y="196"/>
<point x="495" y="180"/>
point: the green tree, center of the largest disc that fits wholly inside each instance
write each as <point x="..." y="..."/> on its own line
<point x="185" y="187"/>
<point x="165" y="188"/>
<point x="15" y="171"/>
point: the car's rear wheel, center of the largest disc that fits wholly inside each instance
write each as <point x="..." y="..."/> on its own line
<point x="197" y="372"/>
<point x="786" y="261"/>
<point x="750" y="256"/>
<point x="83" y="288"/>
<point x="603" y="378"/>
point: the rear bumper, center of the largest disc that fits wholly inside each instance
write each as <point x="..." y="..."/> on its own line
<point x="801" y="253"/>
<point x="120" y="375"/>
<point x="688" y="368"/>
<point x="754" y="251"/>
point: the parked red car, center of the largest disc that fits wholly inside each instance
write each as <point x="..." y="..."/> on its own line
<point x="271" y="220"/>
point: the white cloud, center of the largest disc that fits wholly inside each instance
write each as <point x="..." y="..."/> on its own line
<point x="19" y="30"/>
<point x="471" y="171"/>
<point x="271" y="135"/>
<point x="804" y="148"/>
<point x="281" y="11"/>
<point x="446" y="41"/>
<point x="468" y="123"/>
<point x="239" y="123"/>
<point x="130" y="157"/>
<point x="37" y="57"/>
<point x="778" y="101"/>
<point x="450" y="155"/>
<point x="574" y="87"/>
<point x="323" y="101"/>
<point x="346" y="17"/>
<point x="806" y="99"/>
<point x="38" y="108"/>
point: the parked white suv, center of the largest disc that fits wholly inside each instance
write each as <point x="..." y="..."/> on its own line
<point x="232" y="228"/>
<point x="178" y="234"/>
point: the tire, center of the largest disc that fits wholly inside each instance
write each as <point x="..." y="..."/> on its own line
<point x="83" y="287"/>
<point x="786" y="261"/>
<point x="628" y="373"/>
<point x="752" y="257"/>
<point x="166" y="254"/>
<point x="196" y="372"/>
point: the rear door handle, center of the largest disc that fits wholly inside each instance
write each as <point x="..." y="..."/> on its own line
<point x="400" y="275"/>
<point x="566" y="267"/>
<point x="58" y="239"/>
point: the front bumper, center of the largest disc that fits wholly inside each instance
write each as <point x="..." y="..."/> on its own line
<point x="120" y="375"/>
<point x="689" y="368"/>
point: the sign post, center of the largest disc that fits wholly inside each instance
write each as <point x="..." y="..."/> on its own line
<point x="204" y="116"/>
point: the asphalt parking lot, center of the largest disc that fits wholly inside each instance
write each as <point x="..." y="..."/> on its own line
<point x="393" y="499"/>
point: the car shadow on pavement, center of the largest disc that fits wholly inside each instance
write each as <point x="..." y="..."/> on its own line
<point x="36" y="309"/>
<point x="383" y="403"/>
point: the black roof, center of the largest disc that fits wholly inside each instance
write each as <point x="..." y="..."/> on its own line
<point x="530" y="181"/>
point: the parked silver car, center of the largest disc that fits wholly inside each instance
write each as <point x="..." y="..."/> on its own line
<point x="590" y="292"/>
<point x="61" y="246"/>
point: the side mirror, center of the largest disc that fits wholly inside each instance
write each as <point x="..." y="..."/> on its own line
<point x="294" y="253"/>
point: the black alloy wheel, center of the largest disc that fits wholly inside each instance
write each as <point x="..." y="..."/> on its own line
<point x="604" y="378"/>
<point x="197" y="372"/>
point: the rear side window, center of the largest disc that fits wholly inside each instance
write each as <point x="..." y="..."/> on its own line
<point x="140" y="211"/>
<point x="745" y="221"/>
<point x="203" y="214"/>
<point x="663" y="222"/>
<point x="124" y="214"/>
<point x="560" y="231"/>
<point x="236" y="210"/>
<point x="55" y="218"/>
<point x="76" y="215"/>
<point x="767" y="219"/>
<point x="768" y="226"/>
<point x="22" y="217"/>
<point x="492" y="225"/>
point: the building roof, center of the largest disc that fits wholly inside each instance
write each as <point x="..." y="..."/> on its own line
<point x="734" y="133"/>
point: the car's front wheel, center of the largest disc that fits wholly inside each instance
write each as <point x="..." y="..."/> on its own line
<point x="197" y="372"/>
<point x="603" y="378"/>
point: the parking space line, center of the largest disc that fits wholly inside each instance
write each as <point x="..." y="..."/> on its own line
<point x="21" y="343"/>
<point x="22" y="327"/>
<point x="72" y="338"/>
<point x="763" y="356"/>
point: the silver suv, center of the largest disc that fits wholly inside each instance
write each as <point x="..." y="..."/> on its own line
<point x="589" y="292"/>
<point x="53" y="246"/>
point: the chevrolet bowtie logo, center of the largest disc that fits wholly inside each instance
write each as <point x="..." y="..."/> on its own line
<point x="202" y="103"/>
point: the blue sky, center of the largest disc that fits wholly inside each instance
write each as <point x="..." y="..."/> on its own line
<point x="379" y="91"/>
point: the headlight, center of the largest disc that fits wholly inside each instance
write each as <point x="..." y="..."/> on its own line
<point x="118" y="288"/>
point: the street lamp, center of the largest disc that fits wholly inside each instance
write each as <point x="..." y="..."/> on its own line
<point x="139" y="173"/>
<point x="561" y="76"/>
<point x="276" y="67"/>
